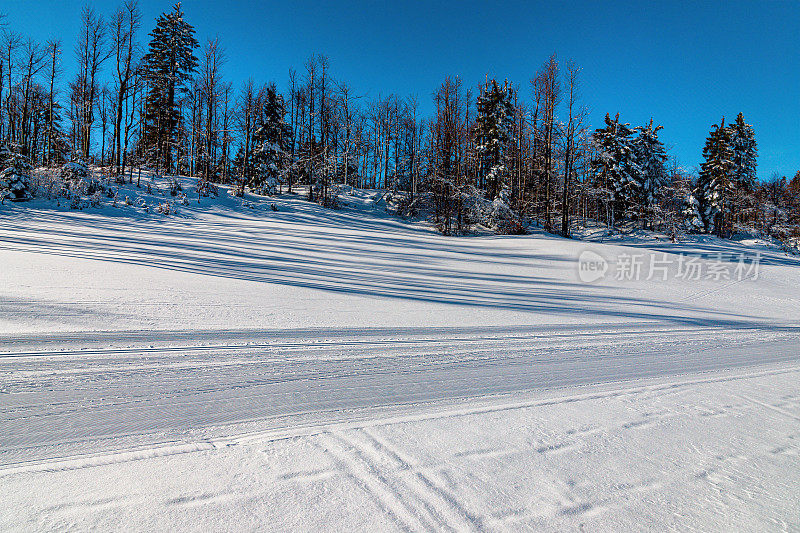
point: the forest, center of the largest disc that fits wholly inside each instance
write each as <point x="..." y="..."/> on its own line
<point x="152" y="97"/>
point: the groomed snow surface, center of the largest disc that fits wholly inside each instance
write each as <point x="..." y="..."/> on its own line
<point x="232" y="367"/>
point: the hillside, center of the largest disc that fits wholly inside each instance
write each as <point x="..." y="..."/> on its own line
<point x="265" y="363"/>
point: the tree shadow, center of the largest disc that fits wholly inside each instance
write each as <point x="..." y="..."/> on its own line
<point x="360" y="254"/>
<point x="711" y="248"/>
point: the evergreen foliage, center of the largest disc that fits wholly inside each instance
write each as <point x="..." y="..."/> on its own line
<point x="712" y="194"/>
<point x="493" y="133"/>
<point x="615" y="166"/>
<point x="168" y="65"/>
<point x="650" y="156"/>
<point x="15" y="175"/>
<point x="271" y="142"/>
<point x="745" y="153"/>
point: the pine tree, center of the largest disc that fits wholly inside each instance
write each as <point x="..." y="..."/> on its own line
<point x="271" y="144"/>
<point x="650" y="157"/>
<point x="745" y="153"/>
<point x="57" y="138"/>
<point x="237" y="169"/>
<point x="168" y="65"/>
<point x="711" y="197"/>
<point x="615" y="166"/>
<point x="15" y="171"/>
<point x="494" y="122"/>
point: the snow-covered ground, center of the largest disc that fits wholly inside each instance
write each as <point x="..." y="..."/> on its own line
<point x="232" y="367"/>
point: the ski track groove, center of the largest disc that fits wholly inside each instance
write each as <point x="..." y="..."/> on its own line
<point x="374" y="485"/>
<point x="326" y="431"/>
<point x="459" y="514"/>
<point x="434" y="508"/>
<point x="312" y="339"/>
<point x="107" y="395"/>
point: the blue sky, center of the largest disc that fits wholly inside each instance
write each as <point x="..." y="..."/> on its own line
<point x="685" y="64"/>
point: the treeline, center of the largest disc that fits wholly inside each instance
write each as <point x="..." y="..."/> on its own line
<point x="496" y="154"/>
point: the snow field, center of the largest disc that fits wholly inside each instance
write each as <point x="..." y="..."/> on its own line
<point x="234" y="367"/>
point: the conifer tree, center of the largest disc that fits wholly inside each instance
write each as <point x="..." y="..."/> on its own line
<point x="745" y="153"/>
<point x="57" y="144"/>
<point x="271" y="144"/>
<point x="15" y="170"/>
<point x="650" y="157"/>
<point x="494" y="121"/>
<point x="710" y="202"/>
<point x="168" y="65"/>
<point x="615" y="166"/>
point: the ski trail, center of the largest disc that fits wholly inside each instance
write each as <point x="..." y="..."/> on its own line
<point x="436" y="509"/>
<point x="771" y="407"/>
<point x="401" y="338"/>
<point x="454" y="510"/>
<point x="390" y="500"/>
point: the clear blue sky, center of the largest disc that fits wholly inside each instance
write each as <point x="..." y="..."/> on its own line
<point x="683" y="63"/>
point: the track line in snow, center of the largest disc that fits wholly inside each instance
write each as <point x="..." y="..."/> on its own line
<point x="449" y="506"/>
<point x="96" y="342"/>
<point x="390" y="500"/>
<point x="772" y="408"/>
<point x="432" y="412"/>
<point x="88" y="461"/>
<point x="377" y="343"/>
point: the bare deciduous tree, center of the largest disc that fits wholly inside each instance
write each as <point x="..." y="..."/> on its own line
<point x="124" y="26"/>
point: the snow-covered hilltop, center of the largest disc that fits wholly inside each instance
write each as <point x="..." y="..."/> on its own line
<point x="269" y="364"/>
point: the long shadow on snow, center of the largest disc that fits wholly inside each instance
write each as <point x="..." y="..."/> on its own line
<point x="381" y="264"/>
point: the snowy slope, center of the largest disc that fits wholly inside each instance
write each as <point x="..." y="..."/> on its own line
<point x="236" y="367"/>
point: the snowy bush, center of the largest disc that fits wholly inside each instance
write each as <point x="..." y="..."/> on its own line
<point x="74" y="173"/>
<point x="206" y="189"/>
<point x="495" y="214"/>
<point x="408" y="206"/>
<point x="164" y="208"/>
<point x="502" y="218"/>
<point x="14" y="184"/>
<point x="331" y="201"/>
<point x="174" y="186"/>
<point x="15" y="175"/>
<point x="693" y="215"/>
<point x="96" y="199"/>
<point x="79" y="187"/>
<point x="511" y="227"/>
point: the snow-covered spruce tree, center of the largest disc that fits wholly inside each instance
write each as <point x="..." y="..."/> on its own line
<point x="710" y="201"/>
<point x="693" y="214"/>
<point x="73" y="174"/>
<point x="672" y="210"/>
<point x="744" y="201"/>
<point x="56" y="141"/>
<point x="745" y="153"/>
<point x="271" y="144"/>
<point x="15" y="175"/>
<point x="615" y="166"/>
<point x="650" y="157"/>
<point x="168" y="65"/>
<point x="493" y="131"/>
